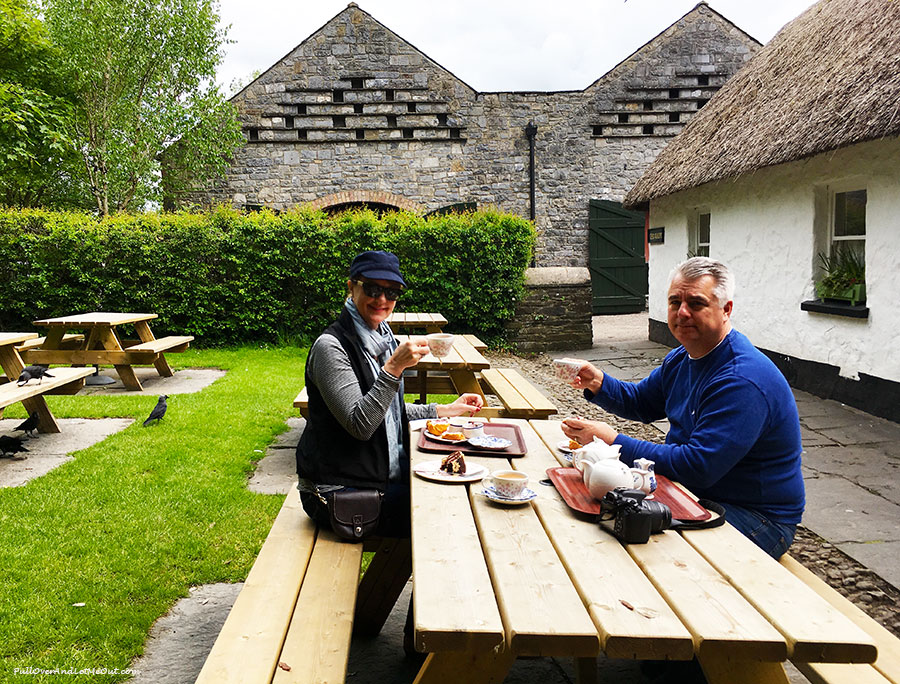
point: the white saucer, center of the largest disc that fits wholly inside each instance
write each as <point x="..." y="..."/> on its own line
<point x="490" y="442"/>
<point x="490" y="493"/>
<point x="431" y="470"/>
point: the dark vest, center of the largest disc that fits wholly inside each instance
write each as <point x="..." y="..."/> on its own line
<point x="327" y="453"/>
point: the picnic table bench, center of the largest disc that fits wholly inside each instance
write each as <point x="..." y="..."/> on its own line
<point x="300" y="603"/>
<point x="100" y="344"/>
<point x="64" y="381"/>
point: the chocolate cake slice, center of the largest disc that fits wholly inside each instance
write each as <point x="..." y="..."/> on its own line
<point x="454" y="463"/>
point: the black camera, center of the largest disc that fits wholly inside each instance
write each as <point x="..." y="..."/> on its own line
<point x="634" y="519"/>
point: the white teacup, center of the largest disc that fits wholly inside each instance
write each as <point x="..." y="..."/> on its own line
<point x="473" y="429"/>
<point x="440" y="344"/>
<point x="508" y="483"/>
<point x="567" y="369"/>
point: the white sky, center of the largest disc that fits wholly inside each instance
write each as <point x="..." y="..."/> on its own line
<point x="491" y="44"/>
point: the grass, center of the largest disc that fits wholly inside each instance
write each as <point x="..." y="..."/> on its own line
<point x="136" y="520"/>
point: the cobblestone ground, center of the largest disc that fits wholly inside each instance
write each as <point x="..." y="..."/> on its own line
<point x="864" y="588"/>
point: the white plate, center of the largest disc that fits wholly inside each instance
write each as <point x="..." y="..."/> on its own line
<point x="440" y="438"/>
<point x="490" y="493"/>
<point x="490" y="442"/>
<point x="563" y="446"/>
<point x="431" y="470"/>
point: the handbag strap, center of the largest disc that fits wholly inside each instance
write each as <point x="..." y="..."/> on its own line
<point x="715" y="521"/>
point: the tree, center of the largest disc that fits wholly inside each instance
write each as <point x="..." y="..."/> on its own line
<point x="38" y="162"/>
<point x="143" y="76"/>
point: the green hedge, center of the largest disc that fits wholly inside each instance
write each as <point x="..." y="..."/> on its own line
<point x="228" y="277"/>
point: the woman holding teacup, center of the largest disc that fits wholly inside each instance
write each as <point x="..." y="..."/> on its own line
<point x="357" y="436"/>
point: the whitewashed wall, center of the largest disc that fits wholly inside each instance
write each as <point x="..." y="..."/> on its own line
<point x="765" y="226"/>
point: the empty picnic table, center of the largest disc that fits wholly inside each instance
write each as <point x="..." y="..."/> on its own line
<point x="62" y="381"/>
<point x="430" y="322"/>
<point x="505" y="581"/>
<point x="102" y="345"/>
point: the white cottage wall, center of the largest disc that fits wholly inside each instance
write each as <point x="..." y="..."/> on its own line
<point x="764" y="225"/>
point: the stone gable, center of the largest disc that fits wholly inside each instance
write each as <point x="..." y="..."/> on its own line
<point x="355" y="111"/>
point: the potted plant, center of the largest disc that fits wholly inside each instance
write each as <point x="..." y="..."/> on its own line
<point x="845" y="276"/>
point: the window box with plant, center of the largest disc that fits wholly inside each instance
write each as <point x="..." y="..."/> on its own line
<point x="844" y="276"/>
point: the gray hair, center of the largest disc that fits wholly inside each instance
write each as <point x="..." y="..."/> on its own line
<point x="697" y="267"/>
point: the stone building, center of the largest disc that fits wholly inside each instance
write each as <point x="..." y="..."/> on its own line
<point x="355" y="114"/>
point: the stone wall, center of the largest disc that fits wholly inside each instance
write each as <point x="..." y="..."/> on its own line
<point x="555" y="312"/>
<point x="356" y="108"/>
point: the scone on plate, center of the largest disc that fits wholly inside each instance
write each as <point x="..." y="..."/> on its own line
<point x="437" y="427"/>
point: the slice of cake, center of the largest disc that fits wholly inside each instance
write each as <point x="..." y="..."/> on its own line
<point x="454" y="463"/>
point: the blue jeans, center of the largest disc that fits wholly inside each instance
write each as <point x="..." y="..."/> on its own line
<point x="772" y="537"/>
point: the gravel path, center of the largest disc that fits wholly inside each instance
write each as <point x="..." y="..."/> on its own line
<point x="864" y="588"/>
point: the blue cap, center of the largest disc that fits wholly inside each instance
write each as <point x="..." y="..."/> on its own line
<point x="377" y="265"/>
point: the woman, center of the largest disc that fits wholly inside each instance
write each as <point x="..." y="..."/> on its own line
<point x="357" y="431"/>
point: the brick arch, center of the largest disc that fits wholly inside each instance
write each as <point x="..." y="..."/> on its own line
<point x="365" y="196"/>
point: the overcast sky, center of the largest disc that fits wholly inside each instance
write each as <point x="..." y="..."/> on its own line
<point x="491" y="44"/>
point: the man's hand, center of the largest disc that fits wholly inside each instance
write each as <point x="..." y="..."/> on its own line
<point x="589" y="377"/>
<point x="406" y="356"/>
<point x="583" y="431"/>
<point x="467" y="404"/>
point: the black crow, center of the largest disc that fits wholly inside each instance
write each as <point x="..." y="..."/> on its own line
<point x="10" y="445"/>
<point x="30" y="424"/>
<point x="33" y="372"/>
<point x="158" y="411"/>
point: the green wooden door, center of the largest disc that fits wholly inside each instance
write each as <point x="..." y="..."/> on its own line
<point x="616" y="258"/>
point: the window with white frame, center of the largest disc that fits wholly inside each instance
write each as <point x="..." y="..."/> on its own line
<point x="848" y="223"/>
<point x="698" y="240"/>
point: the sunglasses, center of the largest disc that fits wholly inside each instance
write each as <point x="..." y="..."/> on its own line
<point x="374" y="290"/>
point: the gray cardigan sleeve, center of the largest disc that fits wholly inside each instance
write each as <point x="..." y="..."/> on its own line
<point x="360" y="414"/>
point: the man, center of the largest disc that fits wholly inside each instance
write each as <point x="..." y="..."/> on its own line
<point x="735" y="432"/>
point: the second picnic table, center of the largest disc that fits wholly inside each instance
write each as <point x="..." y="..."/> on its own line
<point x="101" y="344"/>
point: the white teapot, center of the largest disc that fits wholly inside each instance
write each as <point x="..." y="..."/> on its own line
<point x="598" y="450"/>
<point x="605" y="475"/>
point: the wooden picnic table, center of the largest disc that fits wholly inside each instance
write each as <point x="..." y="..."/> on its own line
<point x="498" y="582"/>
<point x="63" y="381"/>
<point x="430" y="322"/>
<point x="101" y="344"/>
<point x="460" y="365"/>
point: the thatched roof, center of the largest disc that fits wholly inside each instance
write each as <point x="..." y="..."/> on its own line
<point x="828" y="79"/>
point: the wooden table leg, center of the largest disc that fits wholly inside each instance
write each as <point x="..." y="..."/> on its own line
<point x="423" y="386"/>
<point x="720" y="669"/>
<point x="142" y="328"/>
<point x="484" y="667"/>
<point x="46" y="422"/>
<point x="104" y="337"/>
<point x="586" y="670"/>
<point x="465" y="381"/>
<point x="381" y="585"/>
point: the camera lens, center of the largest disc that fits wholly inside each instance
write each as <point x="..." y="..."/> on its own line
<point x="660" y="515"/>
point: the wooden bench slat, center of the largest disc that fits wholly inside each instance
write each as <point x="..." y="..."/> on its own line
<point x="318" y="640"/>
<point x="606" y="577"/>
<point x="532" y="394"/>
<point x="68" y="341"/>
<point x="726" y="623"/>
<point x="888" y="661"/>
<point x="475" y="342"/>
<point x="248" y="648"/>
<point x="815" y="630"/>
<point x="162" y="344"/>
<point x="514" y="402"/>
<point x="11" y="393"/>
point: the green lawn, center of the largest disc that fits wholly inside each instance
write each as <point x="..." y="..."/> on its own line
<point x="134" y="521"/>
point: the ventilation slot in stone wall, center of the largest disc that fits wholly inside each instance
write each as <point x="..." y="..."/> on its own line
<point x="361" y="108"/>
<point x="657" y="106"/>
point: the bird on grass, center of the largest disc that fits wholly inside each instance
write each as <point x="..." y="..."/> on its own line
<point x="158" y="411"/>
<point x="33" y="372"/>
<point x="30" y="424"/>
<point x="10" y="446"/>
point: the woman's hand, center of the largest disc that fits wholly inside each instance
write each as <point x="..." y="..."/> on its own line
<point x="583" y="431"/>
<point x="406" y="356"/>
<point x="466" y="404"/>
<point x="589" y="377"/>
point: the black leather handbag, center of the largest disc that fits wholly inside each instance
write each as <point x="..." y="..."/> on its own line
<point x="354" y="512"/>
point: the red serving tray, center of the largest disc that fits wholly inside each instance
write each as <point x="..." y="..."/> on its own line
<point x="570" y="485"/>
<point x="505" y="430"/>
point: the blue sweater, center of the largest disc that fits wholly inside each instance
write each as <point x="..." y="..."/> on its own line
<point x="735" y="431"/>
